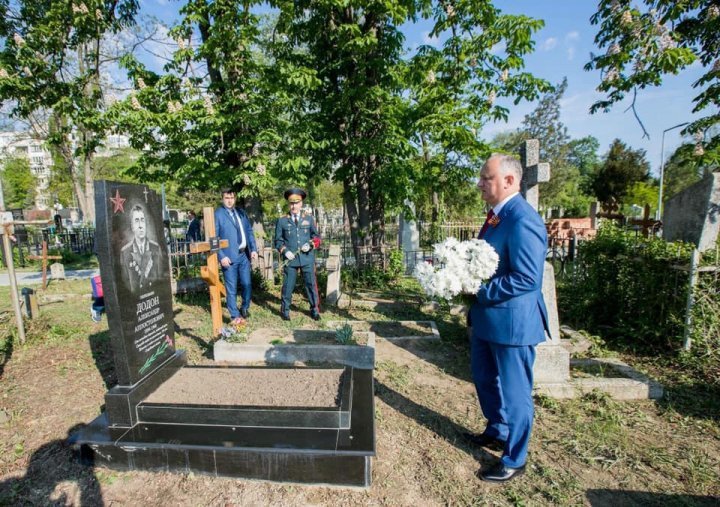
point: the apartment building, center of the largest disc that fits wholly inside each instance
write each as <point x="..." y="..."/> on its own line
<point x="34" y="150"/>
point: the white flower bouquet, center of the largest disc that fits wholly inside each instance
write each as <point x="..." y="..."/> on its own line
<point x="461" y="268"/>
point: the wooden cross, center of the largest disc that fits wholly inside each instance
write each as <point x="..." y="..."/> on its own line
<point x="534" y="172"/>
<point x="210" y="273"/>
<point x="646" y="224"/>
<point x="44" y="258"/>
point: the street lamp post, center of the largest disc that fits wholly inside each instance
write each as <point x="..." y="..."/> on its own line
<point x="658" y="213"/>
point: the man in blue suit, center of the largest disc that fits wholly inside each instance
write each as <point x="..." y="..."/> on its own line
<point x="508" y="318"/>
<point x="233" y="225"/>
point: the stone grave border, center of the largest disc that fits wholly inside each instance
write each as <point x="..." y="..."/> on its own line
<point x="357" y="356"/>
<point x="334" y="324"/>
<point x="633" y="385"/>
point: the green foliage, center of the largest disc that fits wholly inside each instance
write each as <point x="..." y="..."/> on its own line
<point x="682" y="170"/>
<point x="622" y="167"/>
<point x="658" y="38"/>
<point x="50" y="68"/>
<point x="344" y="334"/>
<point x="257" y="280"/>
<point x="396" y="265"/>
<point x="640" y="193"/>
<point x="18" y="183"/>
<point x="624" y="288"/>
<point x="377" y="278"/>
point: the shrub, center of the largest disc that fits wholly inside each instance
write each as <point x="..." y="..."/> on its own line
<point x="627" y="287"/>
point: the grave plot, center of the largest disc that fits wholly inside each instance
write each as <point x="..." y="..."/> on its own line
<point x="393" y="330"/>
<point x="308" y="346"/>
<point x="292" y="425"/>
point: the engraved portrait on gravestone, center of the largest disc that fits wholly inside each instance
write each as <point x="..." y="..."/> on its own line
<point x="135" y="270"/>
<point x="140" y="257"/>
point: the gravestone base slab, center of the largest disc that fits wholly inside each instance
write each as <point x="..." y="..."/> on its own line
<point x="337" y="455"/>
<point x="552" y="364"/>
<point x="627" y="384"/>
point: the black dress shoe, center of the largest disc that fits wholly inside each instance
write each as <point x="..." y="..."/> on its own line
<point x="245" y="313"/>
<point x="483" y="440"/>
<point x="501" y="473"/>
<point x="285" y="316"/>
<point x="315" y="316"/>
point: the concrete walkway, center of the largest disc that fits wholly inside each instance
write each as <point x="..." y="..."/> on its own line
<point x="35" y="277"/>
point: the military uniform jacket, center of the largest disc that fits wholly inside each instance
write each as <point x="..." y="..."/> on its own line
<point x="140" y="269"/>
<point x="289" y="236"/>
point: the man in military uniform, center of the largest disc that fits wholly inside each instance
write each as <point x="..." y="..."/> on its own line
<point x="140" y="258"/>
<point x="296" y="238"/>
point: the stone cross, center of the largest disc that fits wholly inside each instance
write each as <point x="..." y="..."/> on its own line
<point x="534" y="171"/>
<point x="44" y="257"/>
<point x="211" y="273"/>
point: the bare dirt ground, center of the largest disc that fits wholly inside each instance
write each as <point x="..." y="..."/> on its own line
<point x="591" y="451"/>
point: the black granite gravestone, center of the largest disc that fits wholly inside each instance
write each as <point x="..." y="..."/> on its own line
<point x="135" y="274"/>
<point x="330" y="445"/>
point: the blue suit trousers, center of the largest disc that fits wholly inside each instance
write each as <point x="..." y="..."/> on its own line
<point x="507" y="405"/>
<point x="237" y="274"/>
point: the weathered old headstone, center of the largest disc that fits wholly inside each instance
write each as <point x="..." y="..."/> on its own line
<point x="693" y="215"/>
<point x="333" y="265"/>
<point x="409" y="236"/>
<point x="552" y="362"/>
<point x="57" y="271"/>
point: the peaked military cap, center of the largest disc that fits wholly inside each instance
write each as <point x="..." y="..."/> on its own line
<point x="295" y="194"/>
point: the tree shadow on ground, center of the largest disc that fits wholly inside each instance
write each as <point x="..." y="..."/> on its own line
<point x="443" y="426"/>
<point x="612" y="498"/>
<point x="6" y="351"/>
<point x="50" y="468"/>
<point x="693" y="399"/>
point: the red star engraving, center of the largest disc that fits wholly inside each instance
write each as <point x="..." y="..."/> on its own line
<point x="118" y="202"/>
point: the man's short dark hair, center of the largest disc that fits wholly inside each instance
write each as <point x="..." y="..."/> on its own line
<point x="227" y="190"/>
<point x="137" y="207"/>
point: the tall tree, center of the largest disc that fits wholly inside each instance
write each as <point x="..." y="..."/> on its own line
<point x="621" y="168"/>
<point x="51" y="61"/>
<point x="18" y="183"/>
<point x="388" y="127"/>
<point x="663" y="37"/>
<point x="219" y="113"/>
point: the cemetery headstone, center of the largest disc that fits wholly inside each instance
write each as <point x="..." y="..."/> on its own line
<point x="57" y="271"/>
<point x="333" y="266"/>
<point x="693" y="215"/>
<point x="552" y="362"/>
<point x="135" y="275"/>
<point x="534" y="172"/>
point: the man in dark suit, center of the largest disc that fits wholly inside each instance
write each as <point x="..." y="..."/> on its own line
<point x="296" y="239"/>
<point x="140" y="257"/>
<point x="234" y="225"/>
<point x="193" y="229"/>
<point x="508" y="318"/>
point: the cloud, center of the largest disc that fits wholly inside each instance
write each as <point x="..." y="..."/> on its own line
<point x="498" y="48"/>
<point x="427" y="39"/>
<point x="549" y="44"/>
<point x="572" y="36"/>
<point x="570" y="53"/>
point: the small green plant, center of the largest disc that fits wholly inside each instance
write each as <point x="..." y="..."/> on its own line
<point x="344" y="334"/>
<point x="276" y="341"/>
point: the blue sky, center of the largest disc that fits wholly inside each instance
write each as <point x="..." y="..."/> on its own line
<point x="562" y="49"/>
